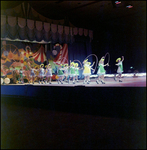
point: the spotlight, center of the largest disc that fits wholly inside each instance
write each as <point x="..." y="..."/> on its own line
<point x="117" y="2"/>
<point x="129" y="6"/>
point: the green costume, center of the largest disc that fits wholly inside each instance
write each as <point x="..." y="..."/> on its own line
<point x="101" y="69"/>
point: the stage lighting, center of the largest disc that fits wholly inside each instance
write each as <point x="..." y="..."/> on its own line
<point x="117" y="2"/>
<point x="129" y="6"/>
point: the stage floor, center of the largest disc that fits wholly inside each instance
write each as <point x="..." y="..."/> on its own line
<point x="109" y="82"/>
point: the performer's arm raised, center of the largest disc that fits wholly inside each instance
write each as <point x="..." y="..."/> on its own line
<point x="122" y="58"/>
<point x="93" y="63"/>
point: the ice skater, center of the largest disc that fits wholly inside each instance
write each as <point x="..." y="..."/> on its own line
<point x="72" y="72"/>
<point x="87" y="70"/>
<point x="76" y="72"/>
<point x="32" y="74"/>
<point x="101" y="71"/>
<point x="119" y="69"/>
<point x="48" y="73"/>
<point x="41" y="73"/>
<point x="66" y="72"/>
<point x="60" y="73"/>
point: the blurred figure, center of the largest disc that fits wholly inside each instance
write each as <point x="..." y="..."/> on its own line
<point x="120" y="69"/>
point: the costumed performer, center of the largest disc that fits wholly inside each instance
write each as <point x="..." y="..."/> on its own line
<point x="66" y="72"/>
<point x="76" y="71"/>
<point x="48" y="73"/>
<point x="87" y="70"/>
<point x="41" y="73"/>
<point x="60" y="73"/>
<point x="72" y="72"/>
<point x="101" y="71"/>
<point x="119" y="69"/>
<point x="32" y="74"/>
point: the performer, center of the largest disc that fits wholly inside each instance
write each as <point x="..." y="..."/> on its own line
<point x="48" y="73"/>
<point x="32" y="74"/>
<point x="87" y="70"/>
<point x="72" y="72"/>
<point x="21" y="80"/>
<point x="76" y="71"/>
<point x="60" y="73"/>
<point x="120" y="68"/>
<point x="41" y="73"/>
<point x="66" y="71"/>
<point x="101" y="71"/>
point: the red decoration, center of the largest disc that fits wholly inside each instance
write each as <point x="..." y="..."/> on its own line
<point x="24" y="67"/>
<point x="25" y="54"/>
<point x="53" y="77"/>
<point x="21" y="61"/>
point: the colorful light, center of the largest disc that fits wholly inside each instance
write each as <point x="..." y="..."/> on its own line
<point x="117" y="2"/>
<point x="129" y="6"/>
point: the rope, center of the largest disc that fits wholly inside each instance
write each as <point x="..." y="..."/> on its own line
<point x="96" y="60"/>
<point x="79" y="62"/>
<point x="108" y="57"/>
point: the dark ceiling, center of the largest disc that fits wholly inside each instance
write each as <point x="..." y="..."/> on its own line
<point x="85" y="14"/>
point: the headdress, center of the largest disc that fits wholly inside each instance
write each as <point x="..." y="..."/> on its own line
<point x="65" y="65"/>
<point x="42" y="65"/>
<point x="118" y="59"/>
<point x="76" y="64"/>
<point x="86" y="60"/>
<point x="72" y="63"/>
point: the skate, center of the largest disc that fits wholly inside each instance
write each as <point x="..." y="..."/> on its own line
<point x="115" y="78"/>
<point x="102" y="82"/>
<point x="97" y="82"/>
